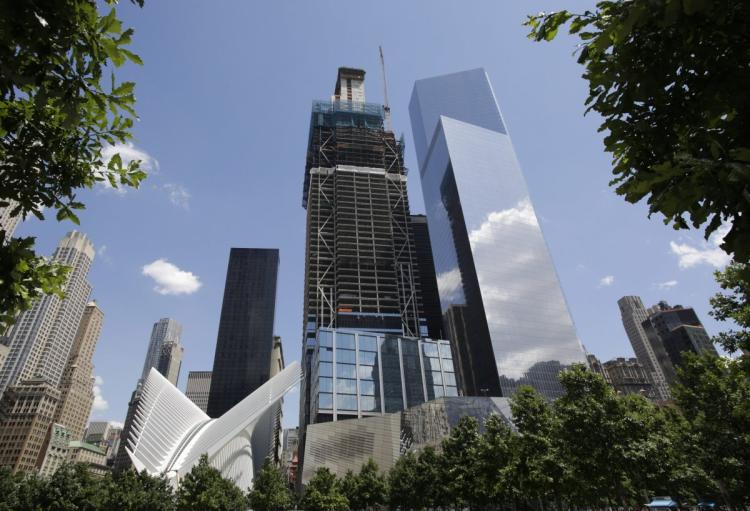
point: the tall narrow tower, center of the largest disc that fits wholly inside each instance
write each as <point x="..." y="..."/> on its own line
<point x="633" y="315"/>
<point x="77" y="386"/>
<point x="244" y="345"/>
<point x="503" y="306"/>
<point x="360" y="264"/>
<point x="166" y="330"/>
<point x="43" y="335"/>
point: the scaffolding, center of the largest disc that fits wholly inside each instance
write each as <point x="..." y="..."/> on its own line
<point x="361" y="266"/>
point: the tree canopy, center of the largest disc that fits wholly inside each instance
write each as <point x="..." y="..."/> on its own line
<point x="671" y="80"/>
<point x="60" y="107"/>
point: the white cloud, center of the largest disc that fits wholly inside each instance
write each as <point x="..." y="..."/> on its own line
<point x="170" y="280"/>
<point x="496" y="221"/>
<point x="100" y="404"/>
<point x="128" y="152"/>
<point x="116" y="424"/>
<point x="709" y="252"/>
<point x="178" y="195"/>
<point x="607" y="280"/>
<point x="667" y="285"/>
<point x="101" y="251"/>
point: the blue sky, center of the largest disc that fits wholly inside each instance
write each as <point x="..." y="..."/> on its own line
<point x="224" y="100"/>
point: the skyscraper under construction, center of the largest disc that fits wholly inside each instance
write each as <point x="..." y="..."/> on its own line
<point x="361" y="265"/>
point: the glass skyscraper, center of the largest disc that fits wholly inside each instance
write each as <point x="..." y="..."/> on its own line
<point x="503" y="309"/>
<point x="244" y="345"/>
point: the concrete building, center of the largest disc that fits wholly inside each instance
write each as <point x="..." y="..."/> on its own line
<point x="628" y="376"/>
<point x="198" y="388"/>
<point x="171" y="433"/>
<point x="164" y="353"/>
<point x="95" y="458"/>
<point x="672" y="331"/>
<point x="503" y="307"/>
<point x="290" y="454"/>
<point x="57" y="450"/>
<point x="166" y="330"/>
<point x="77" y="385"/>
<point x="105" y="435"/>
<point x="26" y="412"/>
<point x="359" y="374"/>
<point x="347" y="445"/>
<point x="9" y="221"/>
<point x="4" y="349"/>
<point x="43" y="335"/>
<point x="244" y="344"/>
<point x="633" y="315"/>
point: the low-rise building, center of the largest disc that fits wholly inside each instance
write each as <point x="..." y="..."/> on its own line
<point x="57" y="450"/>
<point x="95" y="458"/>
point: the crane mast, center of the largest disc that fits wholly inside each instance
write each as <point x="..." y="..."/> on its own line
<point x="386" y="106"/>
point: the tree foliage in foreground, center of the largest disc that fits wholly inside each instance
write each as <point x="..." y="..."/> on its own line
<point x="60" y="106"/>
<point x="270" y="491"/>
<point x="204" y="489"/>
<point x="734" y="305"/>
<point x="671" y="79"/>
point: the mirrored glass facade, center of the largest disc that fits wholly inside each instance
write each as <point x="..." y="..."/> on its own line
<point x="356" y="374"/>
<point x="503" y="308"/>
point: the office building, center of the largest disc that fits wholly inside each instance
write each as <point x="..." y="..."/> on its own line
<point x="346" y="445"/>
<point x="164" y="331"/>
<point x="627" y="376"/>
<point x="360" y="373"/>
<point x="198" y="388"/>
<point x="9" y="221"/>
<point x="242" y="361"/>
<point x="290" y="455"/>
<point x="77" y="384"/>
<point x="43" y="335"/>
<point x="164" y="353"/>
<point x="95" y="458"/>
<point x="361" y="267"/>
<point x="672" y="331"/>
<point x="57" y="450"/>
<point x="427" y="277"/>
<point x="3" y="354"/>
<point x="172" y="433"/>
<point x="503" y="308"/>
<point x="26" y="412"/>
<point x="170" y="361"/>
<point x="633" y="314"/>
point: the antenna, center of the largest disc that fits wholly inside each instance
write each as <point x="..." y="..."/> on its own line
<point x="386" y="106"/>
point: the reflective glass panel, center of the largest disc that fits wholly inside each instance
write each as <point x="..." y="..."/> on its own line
<point x="412" y="372"/>
<point x="368" y="343"/>
<point x="451" y="391"/>
<point x="445" y="351"/>
<point x="326" y="384"/>
<point x="325" y="338"/>
<point x="430" y="349"/>
<point x="326" y="354"/>
<point x="344" y="386"/>
<point x="345" y="341"/>
<point x="345" y="356"/>
<point x="346" y="402"/>
<point x="346" y="371"/>
<point x="367" y="358"/>
<point x="449" y="379"/>
<point x="394" y="401"/>
<point x="366" y="387"/>
<point x="325" y="369"/>
<point x="325" y="401"/>
<point x="369" y="404"/>
<point x="368" y="372"/>
<point x="431" y="364"/>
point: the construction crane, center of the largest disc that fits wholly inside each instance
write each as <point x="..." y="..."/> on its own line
<point x="386" y="106"/>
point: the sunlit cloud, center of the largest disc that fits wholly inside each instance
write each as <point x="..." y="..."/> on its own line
<point x="607" y="280"/>
<point x="170" y="280"/>
<point x="100" y="404"/>
<point x="708" y="252"/>
<point x="128" y="152"/>
<point x="667" y="285"/>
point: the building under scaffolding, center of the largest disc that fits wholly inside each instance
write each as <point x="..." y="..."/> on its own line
<point x="361" y="268"/>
